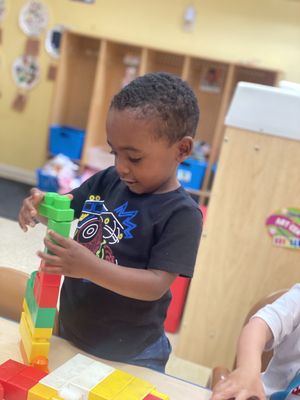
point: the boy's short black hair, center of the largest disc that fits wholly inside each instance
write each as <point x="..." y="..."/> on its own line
<point x="163" y="96"/>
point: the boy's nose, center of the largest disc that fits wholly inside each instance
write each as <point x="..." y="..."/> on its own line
<point x="121" y="167"/>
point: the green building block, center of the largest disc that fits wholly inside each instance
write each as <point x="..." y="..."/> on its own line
<point x="42" y="317"/>
<point x="56" y="207"/>
<point x="62" y="228"/>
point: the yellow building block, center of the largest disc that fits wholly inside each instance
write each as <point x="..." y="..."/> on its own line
<point x="136" y="390"/>
<point x="160" y="395"/>
<point x="37" y="333"/>
<point x="112" y="385"/>
<point x="33" y="347"/>
<point x="42" y="392"/>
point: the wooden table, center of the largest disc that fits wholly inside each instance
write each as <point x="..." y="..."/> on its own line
<point x="61" y="351"/>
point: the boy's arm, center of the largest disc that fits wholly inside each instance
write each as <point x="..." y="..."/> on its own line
<point x="70" y="257"/>
<point x="245" y="381"/>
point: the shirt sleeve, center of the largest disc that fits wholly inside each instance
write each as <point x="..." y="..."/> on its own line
<point x="177" y="247"/>
<point x="282" y="316"/>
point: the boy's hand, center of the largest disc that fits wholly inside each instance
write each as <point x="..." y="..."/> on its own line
<point x="241" y="386"/>
<point x="69" y="257"/>
<point x="29" y="209"/>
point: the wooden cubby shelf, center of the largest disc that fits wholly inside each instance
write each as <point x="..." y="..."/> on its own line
<point x="91" y="70"/>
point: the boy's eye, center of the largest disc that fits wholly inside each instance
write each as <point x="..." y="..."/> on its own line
<point x="134" y="160"/>
<point x="112" y="152"/>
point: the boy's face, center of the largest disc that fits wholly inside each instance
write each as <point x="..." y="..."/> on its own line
<point x="145" y="163"/>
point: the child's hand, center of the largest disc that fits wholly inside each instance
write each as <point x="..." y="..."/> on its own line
<point x="69" y="258"/>
<point x="240" y="385"/>
<point x="29" y="207"/>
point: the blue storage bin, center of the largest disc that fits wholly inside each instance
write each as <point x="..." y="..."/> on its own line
<point x="190" y="173"/>
<point x="66" y="140"/>
<point x="45" y="182"/>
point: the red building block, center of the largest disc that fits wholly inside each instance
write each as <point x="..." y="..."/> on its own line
<point x="1" y="392"/>
<point x="9" y="369"/>
<point x="49" y="279"/>
<point x="46" y="295"/>
<point x="16" y="379"/>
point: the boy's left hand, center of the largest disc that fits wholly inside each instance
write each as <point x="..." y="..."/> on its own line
<point x="69" y="257"/>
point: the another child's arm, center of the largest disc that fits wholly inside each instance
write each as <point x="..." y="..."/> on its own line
<point x="245" y="381"/>
<point x="74" y="260"/>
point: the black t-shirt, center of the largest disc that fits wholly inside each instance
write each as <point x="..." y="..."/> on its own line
<point x="148" y="231"/>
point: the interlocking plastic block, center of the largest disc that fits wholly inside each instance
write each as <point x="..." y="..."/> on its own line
<point x="16" y="387"/>
<point x="62" y="228"/>
<point x="155" y="395"/>
<point x="112" y="385"/>
<point x="42" y="392"/>
<point x="36" y="333"/>
<point x="41" y="363"/>
<point x="56" y="207"/>
<point x="46" y="296"/>
<point x="136" y="390"/>
<point x="1" y="392"/>
<point x="33" y="348"/>
<point x="9" y="369"/>
<point x="48" y="279"/>
<point x="88" y="378"/>
<point x="42" y="317"/>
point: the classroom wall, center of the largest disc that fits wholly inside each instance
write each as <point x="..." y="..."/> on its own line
<point x="263" y="32"/>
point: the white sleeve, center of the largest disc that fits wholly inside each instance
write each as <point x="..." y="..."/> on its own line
<point x="282" y="316"/>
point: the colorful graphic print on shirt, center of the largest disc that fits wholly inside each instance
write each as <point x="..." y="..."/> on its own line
<point x="99" y="228"/>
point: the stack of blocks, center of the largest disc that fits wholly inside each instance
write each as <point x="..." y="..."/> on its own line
<point x="39" y="306"/>
<point x="80" y="378"/>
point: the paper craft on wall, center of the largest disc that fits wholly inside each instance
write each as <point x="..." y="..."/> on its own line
<point x="33" y="18"/>
<point x="26" y="72"/>
<point x="53" y="40"/>
<point x="2" y="9"/>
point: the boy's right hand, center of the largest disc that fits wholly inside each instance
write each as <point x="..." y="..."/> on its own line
<point x="29" y="209"/>
<point x="239" y="385"/>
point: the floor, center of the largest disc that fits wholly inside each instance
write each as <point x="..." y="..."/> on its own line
<point x="18" y="250"/>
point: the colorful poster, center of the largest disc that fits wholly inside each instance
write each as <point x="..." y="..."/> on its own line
<point x="284" y="228"/>
<point x="33" y="18"/>
<point x="26" y="72"/>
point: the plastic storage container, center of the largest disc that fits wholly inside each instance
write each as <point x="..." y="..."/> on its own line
<point x="190" y="173"/>
<point x="66" y="140"/>
<point x="45" y="182"/>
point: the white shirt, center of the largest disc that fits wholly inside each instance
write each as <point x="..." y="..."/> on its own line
<point x="283" y="318"/>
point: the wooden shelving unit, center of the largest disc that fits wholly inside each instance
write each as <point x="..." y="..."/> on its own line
<point x="91" y="71"/>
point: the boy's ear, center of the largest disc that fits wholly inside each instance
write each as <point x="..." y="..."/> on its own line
<point x="185" y="147"/>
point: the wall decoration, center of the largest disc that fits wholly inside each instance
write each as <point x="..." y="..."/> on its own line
<point x="32" y="47"/>
<point x="53" y="40"/>
<point x="19" y="102"/>
<point x="2" y="9"/>
<point x="26" y="72"/>
<point x="33" y="18"/>
<point x="52" y="72"/>
<point x="85" y="1"/>
<point x="212" y="79"/>
<point x="284" y="228"/>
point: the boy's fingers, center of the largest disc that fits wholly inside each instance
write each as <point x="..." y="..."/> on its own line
<point x="61" y="240"/>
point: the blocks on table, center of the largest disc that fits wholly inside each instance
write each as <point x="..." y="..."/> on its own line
<point x="16" y="379"/>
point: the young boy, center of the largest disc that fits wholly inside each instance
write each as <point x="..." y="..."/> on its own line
<point x="275" y="326"/>
<point x="138" y="229"/>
